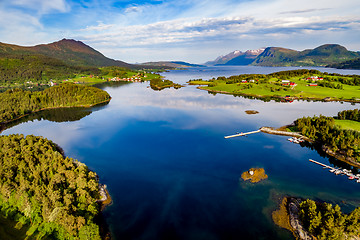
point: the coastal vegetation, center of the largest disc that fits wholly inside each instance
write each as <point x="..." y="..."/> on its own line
<point x="48" y="195"/>
<point x="287" y="85"/>
<point x="325" y="221"/>
<point x="308" y="219"/>
<point x="17" y="102"/>
<point x="325" y="131"/>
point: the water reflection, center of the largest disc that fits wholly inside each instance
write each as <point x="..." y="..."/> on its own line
<point x="55" y="115"/>
<point x="171" y="173"/>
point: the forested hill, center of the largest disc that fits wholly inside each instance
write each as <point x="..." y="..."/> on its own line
<point x="320" y="56"/>
<point x="21" y="68"/>
<point x="71" y="52"/>
<point x="324" y="55"/>
<point x="16" y="102"/>
<point x="351" y="64"/>
<point x="54" y="197"/>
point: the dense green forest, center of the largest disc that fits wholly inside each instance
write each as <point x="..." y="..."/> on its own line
<point x="327" y="222"/>
<point x="350" y="64"/>
<point x="353" y="115"/>
<point x="16" y="102"/>
<point x="55" y="196"/>
<point x="37" y="68"/>
<point x="323" y="129"/>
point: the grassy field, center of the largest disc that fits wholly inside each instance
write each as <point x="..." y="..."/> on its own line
<point x="301" y="90"/>
<point x="348" y="124"/>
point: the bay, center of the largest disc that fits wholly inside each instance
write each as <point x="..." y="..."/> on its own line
<point x="171" y="173"/>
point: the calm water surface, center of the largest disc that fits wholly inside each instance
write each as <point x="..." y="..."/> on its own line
<point x="171" y="173"/>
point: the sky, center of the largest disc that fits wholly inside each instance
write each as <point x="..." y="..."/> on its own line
<point x="194" y="31"/>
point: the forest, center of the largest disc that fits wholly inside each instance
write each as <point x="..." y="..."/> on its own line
<point x="327" y="222"/>
<point x="323" y="129"/>
<point x="17" y="102"/>
<point x="53" y="195"/>
<point x="353" y="115"/>
<point x="37" y="68"/>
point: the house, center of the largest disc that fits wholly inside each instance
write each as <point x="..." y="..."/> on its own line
<point x="243" y="81"/>
<point x="292" y="84"/>
<point x="314" y="78"/>
<point x="313" y="84"/>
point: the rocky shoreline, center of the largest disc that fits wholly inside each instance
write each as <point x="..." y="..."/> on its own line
<point x="293" y="206"/>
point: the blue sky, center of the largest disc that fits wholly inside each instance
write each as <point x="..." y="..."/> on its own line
<point x="190" y="30"/>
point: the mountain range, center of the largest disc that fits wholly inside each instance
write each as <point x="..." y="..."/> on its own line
<point x="71" y="52"/>
<point x="236" y="58"/>
<point x="324" y="55"/>
<point x="172" y="64"/>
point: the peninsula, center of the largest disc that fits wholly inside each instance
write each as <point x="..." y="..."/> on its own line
<point x="287" y="86"/>
<point x="308" y="219"/>
<point x="17" y="103"/>
<point x="45" y="193"/>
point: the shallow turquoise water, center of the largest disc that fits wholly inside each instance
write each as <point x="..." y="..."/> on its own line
<point x="171" y="173"/>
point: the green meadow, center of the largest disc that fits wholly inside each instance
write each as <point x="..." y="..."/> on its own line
<point x="269" y="86"/>
<point x="348" y="124"/>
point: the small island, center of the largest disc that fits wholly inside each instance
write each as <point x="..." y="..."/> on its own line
<point x="160" y="84"/>
<point x="251" y="112"/>
<point x="255" y="175"/>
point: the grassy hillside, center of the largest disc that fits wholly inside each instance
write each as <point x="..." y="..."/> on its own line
<point x="71" y="52"/>
<point x="21" y="68"/>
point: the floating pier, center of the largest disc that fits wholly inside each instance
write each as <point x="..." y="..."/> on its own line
<point x="242" y="134"/>
<point x="338" y="171"/>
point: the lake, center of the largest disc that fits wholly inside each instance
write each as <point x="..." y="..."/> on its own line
<point x="171" y="173"/>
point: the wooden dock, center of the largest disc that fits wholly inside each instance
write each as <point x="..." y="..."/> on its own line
<point x="321" y="164"/>
<point x="242" y="134"/>
<point x="339" y="171"/>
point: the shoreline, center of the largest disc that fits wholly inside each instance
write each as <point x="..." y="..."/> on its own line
<point x="286" y="216"/>
<point x="325" y="99"/>
<point x="3" y="124"/>
<point x="325" y="149"/>
<point x="105" y="201"/>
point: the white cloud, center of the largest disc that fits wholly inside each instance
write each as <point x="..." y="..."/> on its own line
<point x="198" y="28"/>
<point x="180" y="33"/>
<point x="133" y="9"/>
<point x="42" y="6"/>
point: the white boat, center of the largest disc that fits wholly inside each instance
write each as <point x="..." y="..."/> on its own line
<point x="337" y="172"/>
